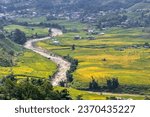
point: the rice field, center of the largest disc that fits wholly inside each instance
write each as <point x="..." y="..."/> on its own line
<point x="110" y="55"/>
<point x="29" y="31"/>
<point x="30" y="64"/>
<point x="107" y="56"/>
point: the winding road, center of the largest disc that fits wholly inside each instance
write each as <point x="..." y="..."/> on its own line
<point x="63" y="65"/>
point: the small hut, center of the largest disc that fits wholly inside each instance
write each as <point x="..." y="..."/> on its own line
<point x="56" y="42"/>
<point x="91" y="38"/>
<point x="77" y="37"/>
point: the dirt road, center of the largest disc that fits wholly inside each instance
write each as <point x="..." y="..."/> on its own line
<point x="63" y="65"/>
<point x="117" y="94"/>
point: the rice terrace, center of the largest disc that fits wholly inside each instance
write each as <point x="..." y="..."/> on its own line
<point x="93" y="55"/>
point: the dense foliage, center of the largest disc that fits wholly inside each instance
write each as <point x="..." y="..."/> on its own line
<point x="18" y="36"/>
<point x="73" y="67"/>
<point x="5" y="62"/>
<point x="30" y="89"/>
<point x="93" y="85"/>
<point x="112" y="85"/>
<point x="7" y="51"/>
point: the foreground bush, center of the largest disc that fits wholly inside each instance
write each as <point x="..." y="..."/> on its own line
<point x="30" y="89"/>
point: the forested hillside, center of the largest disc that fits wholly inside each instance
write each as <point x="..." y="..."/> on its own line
<point x="8" y="50"/>
<point x="93" y="5"/>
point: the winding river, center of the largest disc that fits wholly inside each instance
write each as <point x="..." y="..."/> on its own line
<point x="62" y="65"/>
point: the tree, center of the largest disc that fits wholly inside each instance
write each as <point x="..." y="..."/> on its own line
<point x="93" y="85"/>
<point x="69" y="76"/>
<point x="79" y="97"/>
<point x="11" y="52"/>
<point x="99" y="26"/>
<point x="50" y="31"/>
<point x="62" y="83"/>
<point x="31" y="89"/>
<point x="11" y="77"/>
<point x="112" y="83"/>
<point x="73" y="47"/>
<point x="2" y="36"/>
<point x="146" y="44"/>
<point x="65" y="95"/>
<point x="18" y="36"/>
<point x="73" y="67"/>
<point x="109" y="84"/>
<point x="6" y="62"/>
<point x="26" y="90"/>
<point x="8" y="88"/>
<point x="115" y="83"/>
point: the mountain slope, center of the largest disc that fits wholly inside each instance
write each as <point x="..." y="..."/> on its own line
<point x="8" y="45"/>
<point x="140" y="5"/>
<point x="72" y="4"/>
<point x="8" y="49"/>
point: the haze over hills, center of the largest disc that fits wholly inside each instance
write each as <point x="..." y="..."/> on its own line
<point x="87" y="9"/>
<point x="76" y="4"/>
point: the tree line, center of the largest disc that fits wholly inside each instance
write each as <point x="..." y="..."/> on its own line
<point x="73" y="67"/>
<point x="111" y="85"/>
<point x="30" y="89"/>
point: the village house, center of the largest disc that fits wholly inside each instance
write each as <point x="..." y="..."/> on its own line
<point x="56" y="42"/>
<point x="91" y="38"/>
<point x="102" y="33"/>
<point x="77" y="37"/>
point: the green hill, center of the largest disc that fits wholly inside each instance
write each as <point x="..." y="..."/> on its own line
<point x="8" y="45"/>
<point x="68" y="5"/>
<point x="139" y="6"/>
<point x="8" y="49"/>
<point x="22" y="62"/>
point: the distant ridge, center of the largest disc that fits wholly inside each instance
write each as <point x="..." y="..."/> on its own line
<point x="79" y="4"/>
<point x="140" y="5"/>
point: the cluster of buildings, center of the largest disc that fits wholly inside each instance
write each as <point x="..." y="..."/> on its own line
<point x="91" y="34"/>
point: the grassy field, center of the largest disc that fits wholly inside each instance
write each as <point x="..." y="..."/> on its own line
<point x="29" y="31"/>
<point x="30" y="64"/>
<point x="67" y="24"/>
<point x="32" y="20"/>
<point x="130" y="65"/>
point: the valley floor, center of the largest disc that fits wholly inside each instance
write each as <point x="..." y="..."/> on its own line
<point x="113" y="53"/>
<point x="60" y="76"/>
